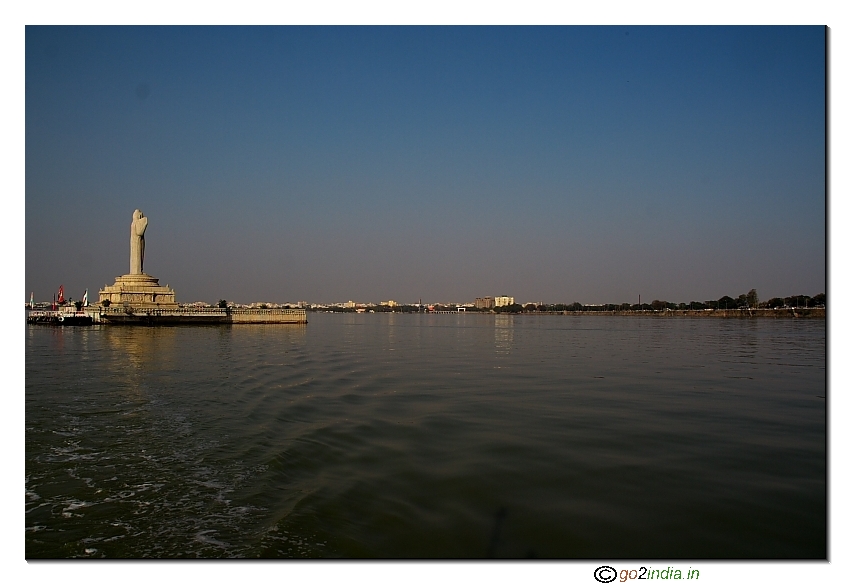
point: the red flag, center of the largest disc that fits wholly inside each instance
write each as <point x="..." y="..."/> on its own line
<point x="61" y="295"/>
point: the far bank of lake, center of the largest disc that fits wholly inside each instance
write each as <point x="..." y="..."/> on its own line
<point x="737" y="313"/>
<point x="757" y="313"/>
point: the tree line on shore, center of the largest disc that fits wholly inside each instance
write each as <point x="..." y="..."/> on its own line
<point x="748" y="300"/>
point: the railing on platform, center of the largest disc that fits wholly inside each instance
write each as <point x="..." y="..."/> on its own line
<point x="137" y="311"/>
<point x="268" y="311"/>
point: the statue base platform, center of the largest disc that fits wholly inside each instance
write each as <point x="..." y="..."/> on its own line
<point x="138" y="290"/>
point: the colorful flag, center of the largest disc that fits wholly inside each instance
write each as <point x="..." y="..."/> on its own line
<point x="86" y="298"/>
<point x="61" y="295"/>
<point x="32" y="303"/>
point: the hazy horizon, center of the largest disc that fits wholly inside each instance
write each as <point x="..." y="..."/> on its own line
<point x="327" y="164"/>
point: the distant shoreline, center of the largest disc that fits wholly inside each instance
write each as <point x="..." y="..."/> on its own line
<point x="757" y="313"/>
<point x="818" y="313"/>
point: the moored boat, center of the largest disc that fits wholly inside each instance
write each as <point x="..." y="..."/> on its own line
<point x="59" y="318"/>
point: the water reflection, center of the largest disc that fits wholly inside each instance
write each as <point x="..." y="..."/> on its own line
<point x="742" y="338"/>
<point x="57" y="336"/>
<point x="295" y="334"/>
<point x="504" y="332"/>
<point x="391" y="324"/>
<point x="141" y="345"/>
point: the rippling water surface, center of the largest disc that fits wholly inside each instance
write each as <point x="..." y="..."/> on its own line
<point x="393" y="435"/>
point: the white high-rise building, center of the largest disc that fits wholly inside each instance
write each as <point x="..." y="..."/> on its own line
<point x="502" y="301"/>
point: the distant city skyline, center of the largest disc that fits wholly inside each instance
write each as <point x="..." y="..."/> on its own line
<point x="479" y="303"/>
<point x="557" y="164"/>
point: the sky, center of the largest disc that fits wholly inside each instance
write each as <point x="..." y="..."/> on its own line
<point x="325" y="164"/>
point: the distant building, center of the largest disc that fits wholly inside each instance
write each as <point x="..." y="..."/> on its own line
<point x="485" y="303"/>
<point x="349" y="304"/>
<point x="502" y="301"/>
<point x="390" y="303"/>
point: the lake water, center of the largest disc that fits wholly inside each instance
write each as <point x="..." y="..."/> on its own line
<point x="408" y="435"/>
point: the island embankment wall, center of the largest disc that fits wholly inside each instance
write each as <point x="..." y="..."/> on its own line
<point x="267" y="316"/>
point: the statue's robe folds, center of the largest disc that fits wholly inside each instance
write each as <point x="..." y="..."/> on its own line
<point x="137" y="242"/>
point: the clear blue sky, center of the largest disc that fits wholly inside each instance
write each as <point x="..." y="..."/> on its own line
<point x="553" y="164"/>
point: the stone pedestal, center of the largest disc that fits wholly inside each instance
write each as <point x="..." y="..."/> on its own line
<point x="138" y="290"/>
